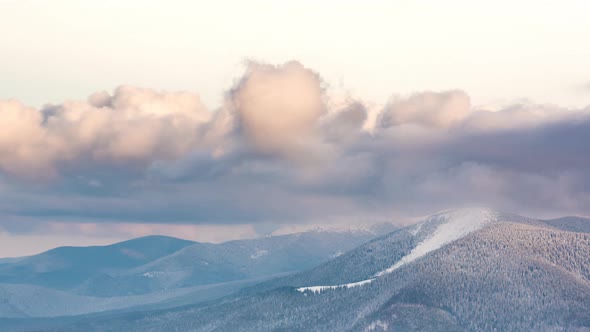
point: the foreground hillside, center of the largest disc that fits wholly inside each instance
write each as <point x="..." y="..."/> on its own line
<point x="464" y="270"/>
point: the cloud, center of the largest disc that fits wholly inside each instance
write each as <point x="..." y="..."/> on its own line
<point x="346" y="123"/>
<point x="284" y="149"/>
<point x="278" y="107"/>
<point x="25" y="146"/>
<point x="132" y="126"/>
<point x="431" y="109"/>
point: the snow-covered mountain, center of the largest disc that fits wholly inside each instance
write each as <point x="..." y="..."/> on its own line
<point x="460" y="270"/>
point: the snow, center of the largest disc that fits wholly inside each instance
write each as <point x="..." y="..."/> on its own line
<point x="458" y="224"/>
<point x="259" y="253"/>
<point x="155" y="274"/>
<point x="319" y="289"/>
<point x="416" y="229"/>
<point x="377" y="325"/>
<point x="339" y="253"/>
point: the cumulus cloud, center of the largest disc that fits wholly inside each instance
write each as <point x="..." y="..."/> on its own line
<point x="132" y="126"/>
<point x="278" y="107"/>
<point x="25" y="145"/>
<point x="284" y="149"/>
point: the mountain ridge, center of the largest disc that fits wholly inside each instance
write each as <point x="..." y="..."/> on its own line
<point x="189" y="272"/>
<point x="512" y="274"/>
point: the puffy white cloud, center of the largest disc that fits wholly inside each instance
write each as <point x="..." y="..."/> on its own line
<point x="26" y="147"/>
<point x="133" y="125"/>
<point x="278" y="107"/>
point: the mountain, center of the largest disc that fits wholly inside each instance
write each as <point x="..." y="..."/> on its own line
<point x="65" y="268"/>
<point x="158" y="272"/>
<point x="205" y="263"/>
<point x="10" y="260"/>
<point x="460" y="270"/>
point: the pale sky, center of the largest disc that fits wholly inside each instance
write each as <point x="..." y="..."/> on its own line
<point x="498" y="51"/>
<point x="489" y="98"/>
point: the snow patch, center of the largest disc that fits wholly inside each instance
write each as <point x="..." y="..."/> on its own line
<point x="259" y="253"/>
<point x="377" y="325"/>
<point x="458" y="223"/>
<point x="339" y="253"/>
<point x="319" y="289"/>
<point x="154" y="274"/>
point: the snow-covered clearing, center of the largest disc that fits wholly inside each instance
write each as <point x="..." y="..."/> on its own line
<point x="458" y="224"/>
<point x="319" y="289"/>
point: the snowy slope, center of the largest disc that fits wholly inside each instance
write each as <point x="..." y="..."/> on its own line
<point x="449" y="226"/>
<point x="453" y="225"/>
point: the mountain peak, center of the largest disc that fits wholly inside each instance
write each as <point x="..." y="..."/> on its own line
<point x="435" y="231"/>
<point x="442" y="228"/>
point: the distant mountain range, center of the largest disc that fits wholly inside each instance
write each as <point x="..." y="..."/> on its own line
<point x="458" y="270"/>
<point x="158" y="271"/>
<point x="9" y="260"/>
<point x="65" y="268"/>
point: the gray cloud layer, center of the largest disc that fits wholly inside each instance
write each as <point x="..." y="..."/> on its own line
<point x="283" y="149"/>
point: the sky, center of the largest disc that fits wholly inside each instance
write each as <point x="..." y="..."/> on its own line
<point x="231" y="119"/>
